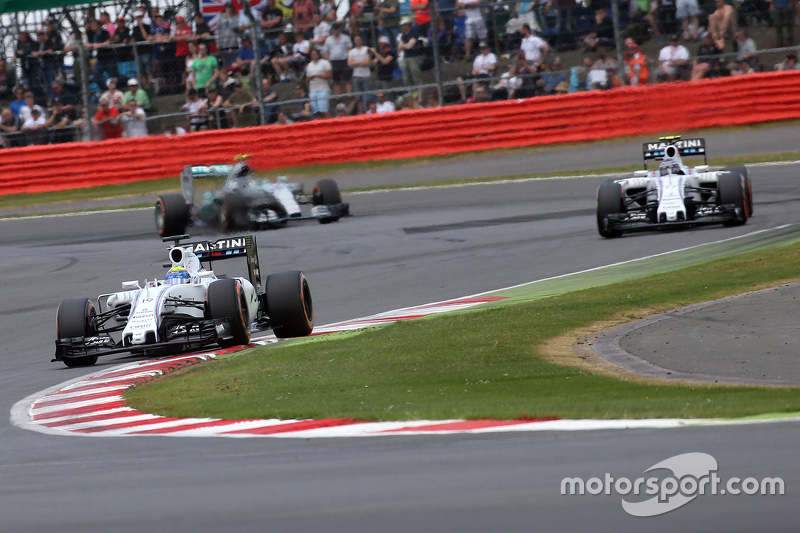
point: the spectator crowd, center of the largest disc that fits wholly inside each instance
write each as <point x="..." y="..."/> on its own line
<point x="374" y="60"/>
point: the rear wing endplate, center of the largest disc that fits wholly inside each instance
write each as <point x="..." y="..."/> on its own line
<point x="686" y="147"/>
<point x="190" y="173"/>
<point x="227" y="248"/>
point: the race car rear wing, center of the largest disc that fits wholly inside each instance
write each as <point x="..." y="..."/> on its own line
<point x="225" y="248"/>
<point x="686" y="147"/>
<point x="190" y="173"/>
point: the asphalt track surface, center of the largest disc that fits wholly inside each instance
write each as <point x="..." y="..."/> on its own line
<point x="402" y="248"/>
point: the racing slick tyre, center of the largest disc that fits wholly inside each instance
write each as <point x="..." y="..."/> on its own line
<point x="75" y="318"/>
<point x="172" y="215"/>
<point x="326" y="192"/>
<point x="731" y="190"/>
<point x="233" y="214"/>
<point x="748" y="188"/>
<point x="289" y="304"/>
<point x="609" y="202"/>
<point x="226" y="299"/>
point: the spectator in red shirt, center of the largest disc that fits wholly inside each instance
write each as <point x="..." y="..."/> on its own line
<point x="422" y="16"/>
<point x="107" y="121"/>
<point x="182" y="34"/>
<point x="302" y="15"/>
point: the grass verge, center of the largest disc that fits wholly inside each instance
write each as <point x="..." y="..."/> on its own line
<point x="478" y="364"/>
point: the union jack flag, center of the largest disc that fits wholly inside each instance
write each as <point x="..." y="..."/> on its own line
<point x="212" y="9"/>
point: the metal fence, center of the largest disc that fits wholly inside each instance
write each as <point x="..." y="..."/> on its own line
<point x="83" y="68"/>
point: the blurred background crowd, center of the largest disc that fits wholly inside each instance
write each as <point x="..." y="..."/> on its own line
<point x="139" y="68"/>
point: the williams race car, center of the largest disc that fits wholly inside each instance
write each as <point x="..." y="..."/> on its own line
<point x="675" y="195"/>
<point x="244" y="202"/>
<point x="190" y="308"/>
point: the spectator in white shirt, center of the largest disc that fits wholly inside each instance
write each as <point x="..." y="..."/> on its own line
<point x="673" y="60"/>
<point x="534" y="47"/>
<point x="384" y="105"/>
<point x="134" y="120"/>
<point x="482" y="68"/>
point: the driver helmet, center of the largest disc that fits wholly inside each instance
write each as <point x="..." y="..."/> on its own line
<point x="669" y="166"/>
<point x="177" y="275"/>
<point x="240" y="170"/>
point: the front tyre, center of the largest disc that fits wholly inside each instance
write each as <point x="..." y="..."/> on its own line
<point x="75" y="318"/>
<point x="748" y="188"/>
<point x="732" y="190"/>
<point x="226" y="299"/>
<point x="609" y="202"/>
<point x="171" y="214"/>
<point x="233" y="215"/>
<point x="326" y="192"/>
<point x="289" y="304"/>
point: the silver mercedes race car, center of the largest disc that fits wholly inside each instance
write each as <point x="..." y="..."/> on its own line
<point x="190" y="308"/>
<point x="244" y="202"/>
<point x="674" y="195"/>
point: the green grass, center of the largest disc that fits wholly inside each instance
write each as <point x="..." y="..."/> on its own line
<point x="478" y="364"/>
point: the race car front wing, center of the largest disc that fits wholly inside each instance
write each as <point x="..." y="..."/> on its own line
<point x="639" y="220"/>
<point x="181" y="335"/>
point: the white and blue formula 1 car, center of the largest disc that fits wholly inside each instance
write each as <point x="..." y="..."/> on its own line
<point x="675" y="195"/>
<point x="192" y="307"/>
<point x="244" y="202"/>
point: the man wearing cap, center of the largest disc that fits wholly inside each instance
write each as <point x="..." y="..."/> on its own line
<point x="246" y="55"/>
<point x="386" y="62"/>
<point x="672" y="60"/>
<point x="35" y="127"/>
<point x="138" y="94"/>
<point x="475" y="29"/>
<point x="141" y="33"/>
<point x="244" y="102"/>
<point x="336" y="49"/>
<point x="411" y="50"/>
<point x="483" y="67"/>
<point x="113" y="95"/>
<point x="181" y="34"/>
<point x="106" y="120"/>
<point x="706" y="54"/>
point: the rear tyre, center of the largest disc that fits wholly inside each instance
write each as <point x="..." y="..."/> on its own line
<point x="233" y="215"/>
<point x="748" y="188"/>
<point x="609" y="202"/>
<point x="326" y="192"/>
<point x="289" y="304"/>
<point x="731" y="191"/>
<point x="171" y="214"/>
<point x="75" y="318"/>
<point x="226" y="299"/>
